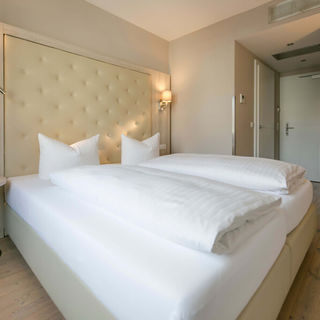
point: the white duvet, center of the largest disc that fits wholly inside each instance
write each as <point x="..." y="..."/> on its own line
<point x="247" y="172"/>
<point x="198" y="213"/>
<point x="134" y="273"/>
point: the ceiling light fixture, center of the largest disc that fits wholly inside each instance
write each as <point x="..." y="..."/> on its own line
<point x="312" y="76"/>
<point x="289" y="8"/>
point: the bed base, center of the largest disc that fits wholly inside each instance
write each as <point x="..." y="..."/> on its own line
<point x="70" y="294"/>
<point x="266" y="303"/>
<point x="76" y="301"/>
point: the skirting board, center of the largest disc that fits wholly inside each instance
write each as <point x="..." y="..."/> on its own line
<point x="76" y="301"/>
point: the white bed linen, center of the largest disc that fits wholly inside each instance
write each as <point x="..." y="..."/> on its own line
<point x="189" y="210"/>
<point x="135" y="274"/>
<point x="296" y="204"/>
<point x="247" y="172"/>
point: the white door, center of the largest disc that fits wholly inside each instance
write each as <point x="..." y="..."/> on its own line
<point x="300" y="123"/>
<point x="264" y="110"/>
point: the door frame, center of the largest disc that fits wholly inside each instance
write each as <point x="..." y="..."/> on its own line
<point x="256" y="108"/>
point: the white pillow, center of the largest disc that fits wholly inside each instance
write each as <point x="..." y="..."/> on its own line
<point x="252" y="173"/>
<point x="56" y="155"/>
<point x="134" y="151"/>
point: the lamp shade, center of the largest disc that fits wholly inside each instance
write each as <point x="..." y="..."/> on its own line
<point x="166" y="96"/>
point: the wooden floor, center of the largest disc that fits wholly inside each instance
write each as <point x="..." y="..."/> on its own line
<point x="23" y="298"/>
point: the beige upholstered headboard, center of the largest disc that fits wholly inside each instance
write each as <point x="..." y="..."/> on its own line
<point x="68" y="97"/>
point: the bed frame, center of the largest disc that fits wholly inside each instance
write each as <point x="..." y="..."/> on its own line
<point x="73" y="298"/>
<point x="76" y="301"/>
<point x="270" y="296"/>
<point x="78" y="94"/>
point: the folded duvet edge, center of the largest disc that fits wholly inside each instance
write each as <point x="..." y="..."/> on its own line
<point x="107" y="186"/>
<point x="230" y="240"/>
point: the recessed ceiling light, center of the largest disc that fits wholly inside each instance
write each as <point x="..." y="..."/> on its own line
<point x="290" y="44"/>
<point x="303" y="60"/>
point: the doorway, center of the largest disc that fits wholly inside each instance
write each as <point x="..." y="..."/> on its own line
<point x="255" y="102"/>
<point x="281" y="56"/>
<point x="300" y="122"/>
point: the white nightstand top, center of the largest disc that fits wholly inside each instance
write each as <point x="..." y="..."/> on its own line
<point x="3" y="181"/>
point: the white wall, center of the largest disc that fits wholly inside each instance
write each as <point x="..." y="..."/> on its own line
<point x="82" y="24"/>
<point x="202" y="68"/>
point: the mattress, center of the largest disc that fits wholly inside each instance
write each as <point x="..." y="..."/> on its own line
<point x="296" y="204"/>
<point x="136" y="274"/>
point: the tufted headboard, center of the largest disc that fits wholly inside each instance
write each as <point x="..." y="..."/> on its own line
<point x="68" y="97"/>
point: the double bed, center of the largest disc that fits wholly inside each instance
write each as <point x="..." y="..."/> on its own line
<point x="126" y="271"/>
<point x="95" y="265"/>
<point x="133" y="272"/>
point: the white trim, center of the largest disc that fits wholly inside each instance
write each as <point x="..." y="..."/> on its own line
<point x="233" y="130"/>
<point x="256" y="109"/>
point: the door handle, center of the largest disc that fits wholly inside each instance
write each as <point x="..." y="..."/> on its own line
<point x="288" y="128"/>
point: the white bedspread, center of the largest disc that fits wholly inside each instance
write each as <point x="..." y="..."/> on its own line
<point x="199" y="213"/>
<point x="295" y="205"/>
<point x="135" y="274"/>
<point x="248" y="172"/>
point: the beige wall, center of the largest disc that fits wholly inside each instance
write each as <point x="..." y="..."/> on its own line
<point x="202" y="68"/>
<point x="82" y="24"/>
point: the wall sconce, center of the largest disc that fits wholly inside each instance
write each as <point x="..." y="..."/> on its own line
<point x="166" y="98"/>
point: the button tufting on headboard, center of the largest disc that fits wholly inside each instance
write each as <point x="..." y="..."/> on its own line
<point x="68" y="97"/>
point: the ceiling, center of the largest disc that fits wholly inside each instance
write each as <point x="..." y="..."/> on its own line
<point x="303" y="32"/>
<point x="171" y="19"/>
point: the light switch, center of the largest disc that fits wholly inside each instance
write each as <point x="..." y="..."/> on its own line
<point x="242" y="98"/>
